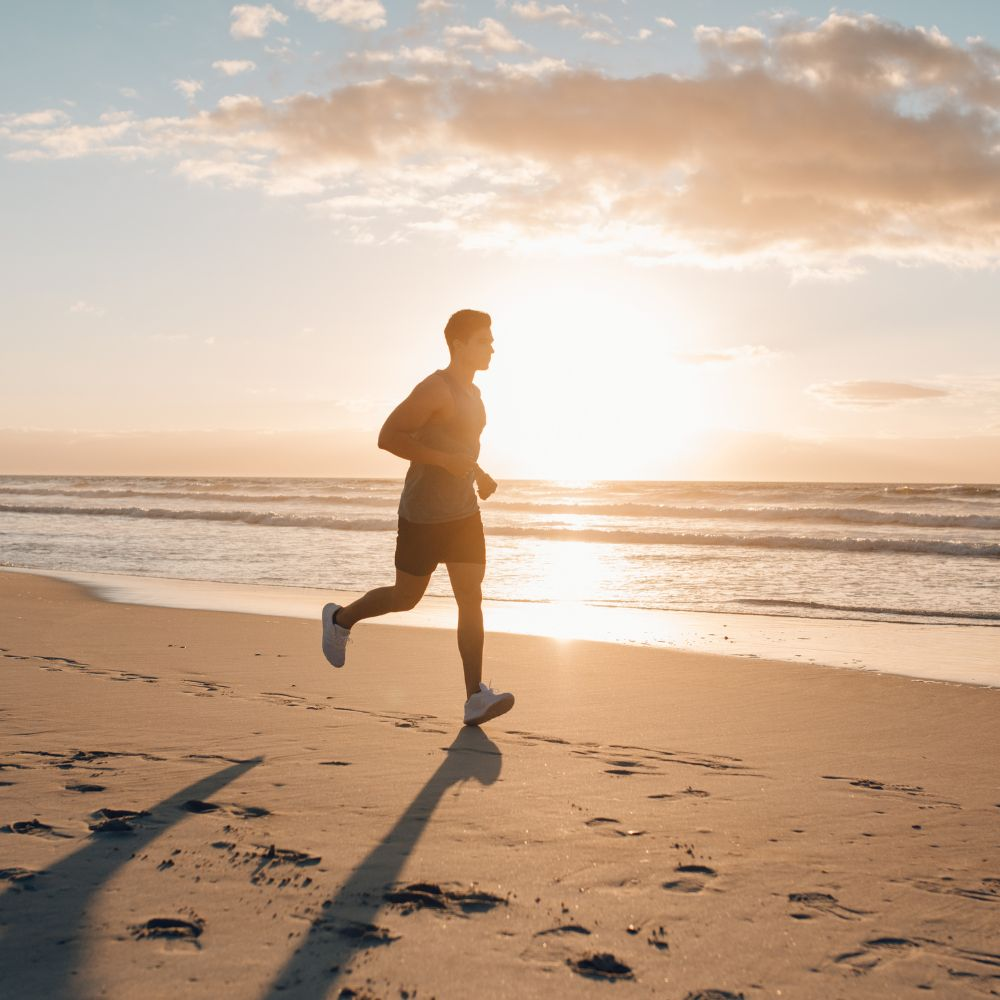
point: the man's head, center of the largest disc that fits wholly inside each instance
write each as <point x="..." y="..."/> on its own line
<point x="470" y="338"/>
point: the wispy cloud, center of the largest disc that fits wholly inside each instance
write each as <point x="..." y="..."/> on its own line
<point x="189" y="88"/>
<point x="367" y="15"/>
<point x="728" y="355"/>
<point x="557" y="12"/>
<point x="489" y="36"/>
<point x="250" y="21"/>
<point x="48" y="116"/>
<point x="870" y="394"/>
<point x="84" y="308"/>
<point x="233" y="67"/>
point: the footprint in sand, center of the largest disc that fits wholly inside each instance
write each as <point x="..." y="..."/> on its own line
<point x="91" y="759"/>
<point x="205" y="689"/>
<point x="170" y="928"/>
<point x="602" y="965"/>
<point x="115" y="820"/>
<point x="688" y="792"/>
<point x="887" y="788"/>
<point x="821" y="902"/>
<point x="125" y="675"/>
<point x="714" y="995"/>
<point x="988" y="891"/>
<point x="19" y="878"/>
<point x="85" y="787"/>
<point x="364" y="934"/>
<point x="234" y="809"/>
<point x="218" y="756"/>
<point x="609" y="824"/>
<point x="270" y="863"/>
<point x="875" y="951"/>
<point x="564" y="929"/>
<point x="689" y="882"/>
<point x="34" y="828"/>
<point x="430" y="896"/>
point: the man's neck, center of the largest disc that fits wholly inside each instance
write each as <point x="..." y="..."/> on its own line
<point x="460" y="373"/>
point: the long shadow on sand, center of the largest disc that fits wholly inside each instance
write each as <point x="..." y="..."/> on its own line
<point x="41" y="946"/>
<point x="345" y="927"/>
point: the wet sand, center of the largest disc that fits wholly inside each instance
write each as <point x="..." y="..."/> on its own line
<point x="193" y="803"/>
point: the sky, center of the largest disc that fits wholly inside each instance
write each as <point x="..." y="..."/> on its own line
<point x="717" y="240"/>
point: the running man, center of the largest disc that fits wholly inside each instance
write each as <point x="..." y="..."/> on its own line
<point x="437" y="428"/>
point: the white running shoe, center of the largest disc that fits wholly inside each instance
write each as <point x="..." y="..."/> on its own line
<point x="487" y="704"/>
<point x="335" y="637"/>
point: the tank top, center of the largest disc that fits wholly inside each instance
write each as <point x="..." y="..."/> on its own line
<point x="432" y="495"/>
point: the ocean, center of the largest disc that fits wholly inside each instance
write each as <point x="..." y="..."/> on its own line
<point x="890" y="552"/>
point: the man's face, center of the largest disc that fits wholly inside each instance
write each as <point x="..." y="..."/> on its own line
<point x="478" y="349"/>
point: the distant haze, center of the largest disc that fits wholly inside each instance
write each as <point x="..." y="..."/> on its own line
<point x="732" y="456"/>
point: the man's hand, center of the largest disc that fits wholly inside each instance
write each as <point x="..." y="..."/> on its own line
<point x="458" y="465"/>
<point x="485" y="484"/>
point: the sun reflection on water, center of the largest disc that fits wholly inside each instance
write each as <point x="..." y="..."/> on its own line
<point x="575" y="576"/>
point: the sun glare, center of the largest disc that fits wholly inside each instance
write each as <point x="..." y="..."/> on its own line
<point x="584" y="386"/>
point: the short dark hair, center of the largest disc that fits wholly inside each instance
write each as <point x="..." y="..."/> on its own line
<point x="463" y="324"/>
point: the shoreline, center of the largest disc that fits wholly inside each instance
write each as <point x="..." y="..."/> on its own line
<point x="951" y="653"/>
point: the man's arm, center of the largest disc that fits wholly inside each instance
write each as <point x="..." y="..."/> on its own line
<point x="414" y="412"/>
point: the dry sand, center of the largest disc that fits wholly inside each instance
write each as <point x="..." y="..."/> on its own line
<point x="193" y="804"/>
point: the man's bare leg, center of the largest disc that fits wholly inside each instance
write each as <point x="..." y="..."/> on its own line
<point x="403" y="595"/>
<point x="467" y="586"/>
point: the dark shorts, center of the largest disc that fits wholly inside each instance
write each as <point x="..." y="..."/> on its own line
<point x="420" y="547"/>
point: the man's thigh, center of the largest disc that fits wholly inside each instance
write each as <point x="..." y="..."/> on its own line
<point x="467" y="581"/>
<point x="409" y="586"/>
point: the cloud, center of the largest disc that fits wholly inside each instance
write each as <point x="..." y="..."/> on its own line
<point x="741" y="43"/>
<point x="666" y="22"/>
<point x="82" y="307"/>
<point x="818" y="148"/>
<point x="189" y="88"/>
<point x="50" y="116"/>
<point x="282" y="49"/>
<point x="367" y="15"/>
<point x="490" y="36"/>
<point x="559" y="13"/>
<point x="869" y="394"/>
<point x="596" y="35"/>
<point x="422" y="55"/>
<point x="240" y="102"/>
<point x="233" y="67"/>
<point x="129" y="92"/>
<point x="434" y="6"/>
<point x="252" y="22"/>
<point x="535" y="69"/>
<point x="748" y="352"/>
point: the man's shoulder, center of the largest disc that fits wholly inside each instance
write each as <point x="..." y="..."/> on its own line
<point x="433" y="384"/>
<point x="432" y="391"/>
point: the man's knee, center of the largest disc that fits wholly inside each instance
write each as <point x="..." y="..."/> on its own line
<point x="469" y="600"/>
<point x="403" y="600"/>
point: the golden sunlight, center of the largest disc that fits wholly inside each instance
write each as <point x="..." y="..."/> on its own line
<point x="569" y="401"/>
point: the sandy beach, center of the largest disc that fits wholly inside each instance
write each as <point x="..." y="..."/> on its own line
<point x="193" y="803"/>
